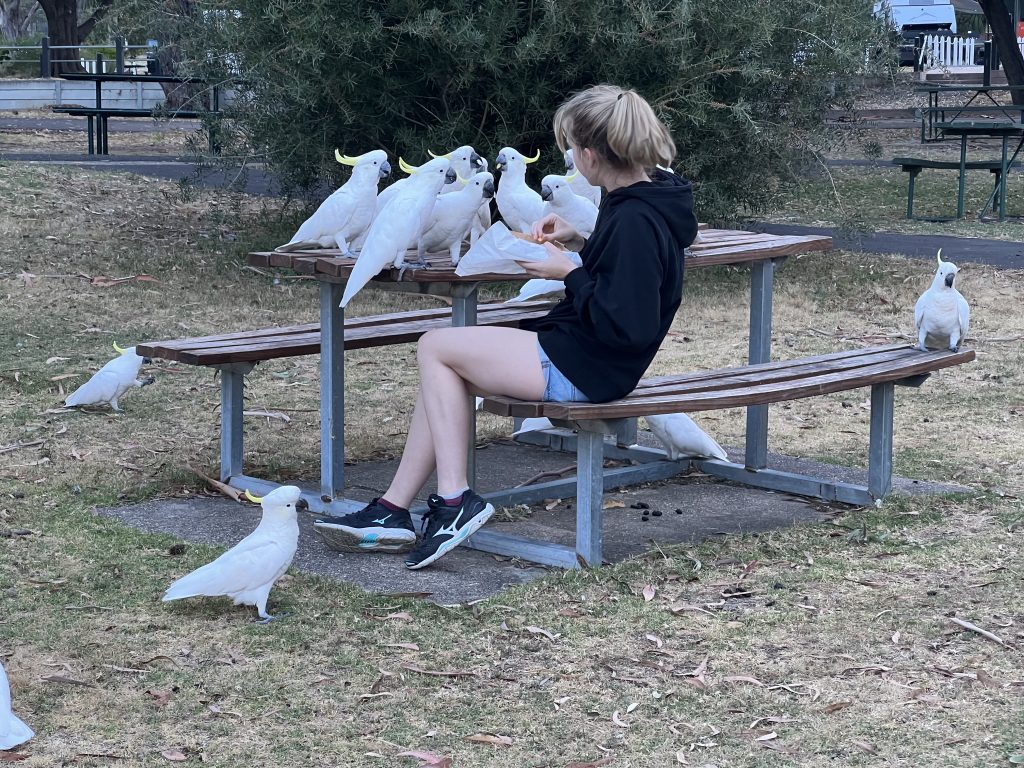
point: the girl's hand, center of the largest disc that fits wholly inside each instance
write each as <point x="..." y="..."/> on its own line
<point x="553" y="227"/>
<point x="555" y="267"/>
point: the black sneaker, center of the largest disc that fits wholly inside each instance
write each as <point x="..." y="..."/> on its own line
<point x="444" y="527"/>
<point x="375" y="528"/>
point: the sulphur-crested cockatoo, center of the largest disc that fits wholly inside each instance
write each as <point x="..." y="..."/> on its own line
<point x="942" y="315"/>
<point x="12" y="731"/>
<point x="538" y="288"/>
<point x="682" y="437"/>
<point x="111" y="381"/>
<point x="579" y="182"/>
<point x="518" y="205"/>
<point x="453" y="216"/>
<point x="533" y="424"/>
<point x="466" y="163"/>
<point x="577" y="211"/>
<point x="248" y="570"/>
<point x="401" y="222"/>
<point x="347" y="212"/>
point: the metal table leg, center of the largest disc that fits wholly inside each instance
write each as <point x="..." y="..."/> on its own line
<point x="760" y="349"/>
<point x="464" y="300"/>
<point x="1002" y="181"/>
<point x="963" y="174"/>
<point x="232" y="404"/>
<point x="89" y="129"/>
<point x="332" y="391"/>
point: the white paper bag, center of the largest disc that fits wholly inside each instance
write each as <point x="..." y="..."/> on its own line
<point x="497" y="251"/>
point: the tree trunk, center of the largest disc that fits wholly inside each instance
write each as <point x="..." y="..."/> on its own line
<point x="63" y="28"/>
<point x="1004" y="33"/>
<point x="16" y="18"/>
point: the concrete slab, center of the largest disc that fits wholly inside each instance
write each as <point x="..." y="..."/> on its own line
<point x="692" y="507"/>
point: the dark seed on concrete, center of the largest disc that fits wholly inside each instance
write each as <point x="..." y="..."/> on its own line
<point x="656" y="513"/>
<point x="640" y="505"/>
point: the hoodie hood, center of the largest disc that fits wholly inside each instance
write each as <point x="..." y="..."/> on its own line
<point x="668" y="194"/>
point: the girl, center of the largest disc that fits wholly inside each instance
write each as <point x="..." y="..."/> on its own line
<point x="594" y="345"/>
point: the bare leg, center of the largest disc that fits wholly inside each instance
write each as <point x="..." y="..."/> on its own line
<point x="455" y="362"/>
<point x="417" y="460"/>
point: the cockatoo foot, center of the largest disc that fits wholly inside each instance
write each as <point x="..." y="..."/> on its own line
<point x="268" y="618"/>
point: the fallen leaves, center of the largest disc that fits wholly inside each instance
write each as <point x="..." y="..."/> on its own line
<point x="101" y="281"/>
<point x="648" y="592"/>
<point x="428" y="759"/>
<point x="173" y="755"/>
<point x="541" y="631"/>
<point x="495" y="740"/>
<point x="835" y="706"/>
<point x="160" y="698"/>
<point x="439" y="672"/>
<point x="64" y="680"/>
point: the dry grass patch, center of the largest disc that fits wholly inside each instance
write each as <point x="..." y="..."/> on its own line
<point x="819" y="645"/>
<point x="167" y="139"/>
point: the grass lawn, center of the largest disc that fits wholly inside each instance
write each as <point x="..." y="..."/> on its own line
<point x="844" y="654"/>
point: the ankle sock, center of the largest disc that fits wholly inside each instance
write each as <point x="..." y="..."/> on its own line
<point x="391" y="507"/>
<point x="454" y="500"/>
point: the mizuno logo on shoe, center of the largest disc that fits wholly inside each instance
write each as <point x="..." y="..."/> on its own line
<point x="382" y="520"/>
<point x="452" y="529"/>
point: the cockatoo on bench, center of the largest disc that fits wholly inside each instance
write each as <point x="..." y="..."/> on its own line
<point x="400" y="224"/>
<point x="111" y="381"/>
<point x="346" y="214"/>
<point x="518" y="205"/>
<point x="248" y="570"/>
<point x="941" y="315"/>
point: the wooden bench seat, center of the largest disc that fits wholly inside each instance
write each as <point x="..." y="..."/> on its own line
<point x="880" y="368"/>
<point x="914" y="166"/>
<point x="235" y="354"/>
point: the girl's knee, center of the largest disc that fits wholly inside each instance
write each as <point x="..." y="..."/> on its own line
<point x="430" y="344"/>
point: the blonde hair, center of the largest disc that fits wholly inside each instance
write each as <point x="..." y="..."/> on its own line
<point x="618" y="124"/>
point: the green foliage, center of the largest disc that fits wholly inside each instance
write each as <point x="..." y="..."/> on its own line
<point x="743" y="86"/>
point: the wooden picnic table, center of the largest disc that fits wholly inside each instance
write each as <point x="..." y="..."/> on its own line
<point x="762" y="251"/>
<point x="1001" y="129"/>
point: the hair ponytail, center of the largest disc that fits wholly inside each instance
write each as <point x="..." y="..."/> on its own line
<point x="616" y="123"/>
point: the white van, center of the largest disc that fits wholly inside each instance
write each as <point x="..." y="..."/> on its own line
<point x="917" y="17"/>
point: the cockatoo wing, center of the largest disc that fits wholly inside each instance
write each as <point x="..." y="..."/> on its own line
<point x="533" y="425"/>
<point x="256" y="561"/>
<point x="682" y="437"/>
<point x="536" y="288"/>
<point x="12" y="730"/>
<point x="394" y="229"/>
<point x="964" y="314"/>
<point x="919" y="309"/>
<point x="103" y="387"/>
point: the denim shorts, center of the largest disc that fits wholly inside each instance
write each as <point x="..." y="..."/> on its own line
<point x="557" y="388"/>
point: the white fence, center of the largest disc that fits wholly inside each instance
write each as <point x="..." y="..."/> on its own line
<point x="939" y="51"/>
<point x="40" y="93"/>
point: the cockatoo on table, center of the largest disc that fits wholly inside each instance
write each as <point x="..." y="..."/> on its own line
<point x="248" y="570"/>
<point x="111" y="381"/>
<point x="942" y="315"/>
<point x="682" y="437"/>
<point x="577" y="211"/>
<point x="579" y="182"/>
<point x="12" y="730"/>
<point x="467" y="163"/>
<point x="518" y="205"/>
<point x="453" y="216"/>
<point x="401" y="222"/>
<point x="347" y="212"/>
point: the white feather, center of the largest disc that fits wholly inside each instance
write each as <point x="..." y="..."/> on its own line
<point x="12" y="730"/>
<point x="454" y="214"/>
<point x="682" y="437"/>
<point x="577" y="211"/>
<point x="533" y="425"/>
<point x="110" y="382"/>
<point x="347" y="212"/>
<point x="579" y="182"/>
<point x="518" y="205"/>
<point x="942" y="315"/>
<point x="248" y="570"/>
<point x="398" y="226"/>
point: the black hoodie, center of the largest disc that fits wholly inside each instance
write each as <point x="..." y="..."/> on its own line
<point x="620" y="304"/>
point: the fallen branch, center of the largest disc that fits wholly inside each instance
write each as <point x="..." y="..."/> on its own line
<point x="983" y="632"/>
<point x="19" y="446"/>
<point x="549" y="473"/>
<point x="217" y="485"/>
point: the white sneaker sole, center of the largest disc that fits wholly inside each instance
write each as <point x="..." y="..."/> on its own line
<point x="464" y="533"/>
<point x="342" y="538"/>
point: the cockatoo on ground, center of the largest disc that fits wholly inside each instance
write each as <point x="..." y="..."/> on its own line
<point x="453" y="216"/>
<point x="248" y="570"/>
<point x="401" y="222"/>
<point x="347" y="213"/>
<point x="518" y="205"/>
<point x="942" y="315"/>
<point x="533" y="424"/>
<point x="579" y="183"/>
<point x="111" y="381"/>
<point x="577" y="211"/>
<point x="682" y="437"/>
<point x="12" y="731"/>
<point x="539" y="288"/>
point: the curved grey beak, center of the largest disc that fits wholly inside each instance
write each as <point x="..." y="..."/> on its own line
<point x="385" y="169"/>
<point x="500" y="162"/>
<point x="489" y="188"/>
<point x="476" y="161"/>
<point x="302" y="505"/>
<point x="950" y="278"/>
<point x="545" y="192"/>
<point x="570" y="167"/>
<point x="450" y="177"/>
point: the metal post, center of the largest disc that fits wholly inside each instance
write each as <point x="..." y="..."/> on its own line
<point x="589" y="493"/>
<point x="89" y="119"/>
<point x="119" y="55"/>
<point x="986" y="71"/>
<point x="880" y="440"/>
<point x="963" y="174"/>
<point x="1002" y="180"/>
<point x="232" y="404"/>
<point x="332" y="391"/>
<point x="44" y="57"/>
<point x="99" y="64"/>
<point x="759" y="351"/>
<point x="910" y="194"/>
<point x="464" y="297"/>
